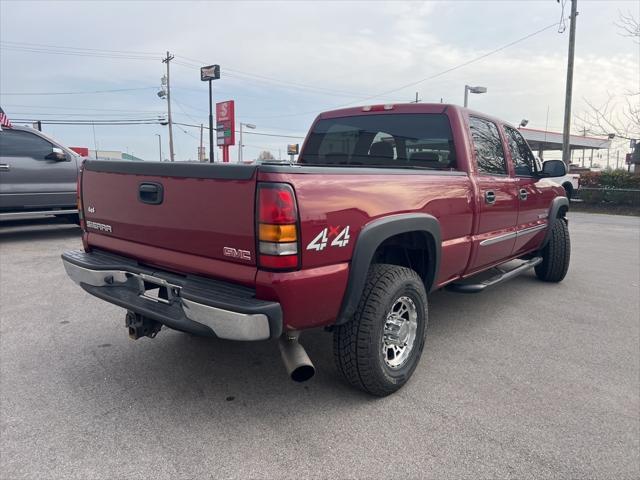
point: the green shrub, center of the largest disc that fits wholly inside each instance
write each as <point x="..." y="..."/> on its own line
<point x="610" y="179"/>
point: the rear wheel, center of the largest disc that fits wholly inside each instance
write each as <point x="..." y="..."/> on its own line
<point x="568" y="188"/>
<point x="379" y="349"/>
<point x="555" y="254"/>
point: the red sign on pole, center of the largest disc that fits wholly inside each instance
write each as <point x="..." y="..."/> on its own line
<point x="225" y="123"/>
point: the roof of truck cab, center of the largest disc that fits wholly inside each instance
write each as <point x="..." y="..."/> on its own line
<point x="376" y="109"/>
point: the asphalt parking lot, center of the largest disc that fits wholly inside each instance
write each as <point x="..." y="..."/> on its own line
<point x="527" y="380"/>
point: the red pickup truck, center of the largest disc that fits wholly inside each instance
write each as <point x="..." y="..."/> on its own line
<point x="385" y="204"/>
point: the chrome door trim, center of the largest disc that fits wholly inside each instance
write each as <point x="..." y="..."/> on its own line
<point x="536" y="228"/>
<point x="510" y="235"/>
<point x="499" y="238"/>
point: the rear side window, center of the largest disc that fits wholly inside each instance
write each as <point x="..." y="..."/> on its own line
<point x="523" y="160"/>
<point x="16" y="143"/>
<point x="488" y="147"/>
<point x="389" y="140"/>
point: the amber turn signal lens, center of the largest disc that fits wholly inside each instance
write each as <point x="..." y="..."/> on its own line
<point x="277" y="233"/>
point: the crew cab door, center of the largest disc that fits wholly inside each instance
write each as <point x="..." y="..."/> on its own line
<point x="28" y="179"/>
<point x="496" y="197"/>
<point x="533" y="197"/>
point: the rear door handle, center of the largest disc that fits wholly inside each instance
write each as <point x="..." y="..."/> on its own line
<point x="151" y="193"/>
<point x="523" y="194"/>
<point x="490" y="197"/>
<point x="4" y="167"/>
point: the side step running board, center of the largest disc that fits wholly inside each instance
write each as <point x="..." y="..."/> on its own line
<point x="502" y="277"/>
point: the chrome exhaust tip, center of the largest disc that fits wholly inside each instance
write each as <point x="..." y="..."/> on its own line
<point x="295" y="358"/>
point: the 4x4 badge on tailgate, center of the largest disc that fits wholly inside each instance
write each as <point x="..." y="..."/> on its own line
<point x="340" y="238"/>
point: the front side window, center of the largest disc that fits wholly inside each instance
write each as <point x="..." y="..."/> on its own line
<point x="399" y="140"/>
<point x="16" y="143"/>
<point x="488" y="147"/>
<point x="524" y="162"/>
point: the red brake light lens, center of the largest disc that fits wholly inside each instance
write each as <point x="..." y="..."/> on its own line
<point x="277" y="205"/>
<point x="277" y="228"/>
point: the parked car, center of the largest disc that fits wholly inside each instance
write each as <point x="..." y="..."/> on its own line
<point x="386" y="204"/>
<point x="38" y="175"/>
<point x="570" y="182"/>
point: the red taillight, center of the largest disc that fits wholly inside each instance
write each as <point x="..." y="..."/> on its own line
<point x="277" y="227"/>
<point x="79" y="199"/>
<point x="277" y="205"/>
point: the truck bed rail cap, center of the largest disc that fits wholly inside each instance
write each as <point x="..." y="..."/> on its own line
<point x="174" y="169"/>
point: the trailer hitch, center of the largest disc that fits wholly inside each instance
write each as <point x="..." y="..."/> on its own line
<point x="141" y="326"/>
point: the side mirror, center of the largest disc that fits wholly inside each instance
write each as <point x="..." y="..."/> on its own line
<point x="57" y="155"/>
<point x="553" y="168"/>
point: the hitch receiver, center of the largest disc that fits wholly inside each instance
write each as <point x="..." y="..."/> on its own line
<point x="141" y="326"/>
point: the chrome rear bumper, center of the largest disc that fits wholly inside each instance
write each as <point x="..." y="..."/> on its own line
<point x="187" y="303"/>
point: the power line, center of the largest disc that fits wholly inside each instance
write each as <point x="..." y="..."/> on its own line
<point x="232" y="72"/>
<point x="80" y="108"/>
<point x="117" y="90"/>
<point x="247" y="132"/>
<point x="461" y="65"/>
<point x="90" y="122"/>
<point x="129" y="52"/>
<point x="431" y="77"/>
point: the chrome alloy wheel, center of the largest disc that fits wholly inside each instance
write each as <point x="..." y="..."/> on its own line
<point x="399" y="334"/>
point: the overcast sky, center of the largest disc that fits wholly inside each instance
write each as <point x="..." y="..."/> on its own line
<point x="284" y="62"/>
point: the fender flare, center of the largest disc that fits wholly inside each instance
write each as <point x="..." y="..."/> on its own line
<point x="370" y="238"/>
<point x="554" y="209"/>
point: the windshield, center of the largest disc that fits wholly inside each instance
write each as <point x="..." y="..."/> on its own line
<point x="389" y="140"/>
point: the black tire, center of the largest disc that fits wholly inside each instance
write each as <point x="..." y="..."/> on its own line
<point x="556" y="254"/>
<point x="358" y="344"/>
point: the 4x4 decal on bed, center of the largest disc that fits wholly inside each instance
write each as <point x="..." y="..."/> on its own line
<point x="341" y="238"/>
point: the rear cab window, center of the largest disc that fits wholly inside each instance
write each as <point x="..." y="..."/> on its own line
<point x="422" y="140"/>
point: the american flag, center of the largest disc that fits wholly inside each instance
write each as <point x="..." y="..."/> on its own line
<point x="4" y="120"/>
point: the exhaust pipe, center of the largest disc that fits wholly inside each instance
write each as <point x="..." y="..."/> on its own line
<point x="295" y="358"/>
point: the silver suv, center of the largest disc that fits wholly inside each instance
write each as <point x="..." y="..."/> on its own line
<point x="37" y="175"/>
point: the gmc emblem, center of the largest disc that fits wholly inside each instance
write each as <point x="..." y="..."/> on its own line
<point x="235" y="253"/>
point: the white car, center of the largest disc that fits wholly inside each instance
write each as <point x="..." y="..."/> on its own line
<point x="570" y="182"/>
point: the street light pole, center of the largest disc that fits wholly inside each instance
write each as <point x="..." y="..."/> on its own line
<point x="159" y="145"/>
<point x="468" y="89"/>
<point x="248" y="125"/>
<point x="566" y="131"/>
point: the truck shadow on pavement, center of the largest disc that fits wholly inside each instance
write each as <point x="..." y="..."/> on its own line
<point x="201" y="374"/>
<point x="38" y="229"/>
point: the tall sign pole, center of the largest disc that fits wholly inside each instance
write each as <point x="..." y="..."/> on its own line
<point x="166" y="60"/>
<point x="208" y="74"/>
<point x="566" y="131"/>
<point x="210" y="122"/>
<point x="225" y="127"/>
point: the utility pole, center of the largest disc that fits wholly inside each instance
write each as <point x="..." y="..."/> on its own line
<point x="201" y="150"/>
<point x="417" y="100"/>
<point x="566" y="132"/>
<point x="167" y="60"/>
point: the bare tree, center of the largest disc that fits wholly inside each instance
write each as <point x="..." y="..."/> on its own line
<point x="628" y="26"/>
<point x="620" y="114"/>
<point x="266" y="155"/>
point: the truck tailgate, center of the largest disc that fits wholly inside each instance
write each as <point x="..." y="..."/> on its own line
<point x="199" y="209"/>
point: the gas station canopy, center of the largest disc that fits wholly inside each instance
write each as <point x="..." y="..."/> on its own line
<point x="541" y="140"/>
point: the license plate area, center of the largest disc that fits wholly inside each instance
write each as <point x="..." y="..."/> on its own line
<point x="157" y="289"/>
